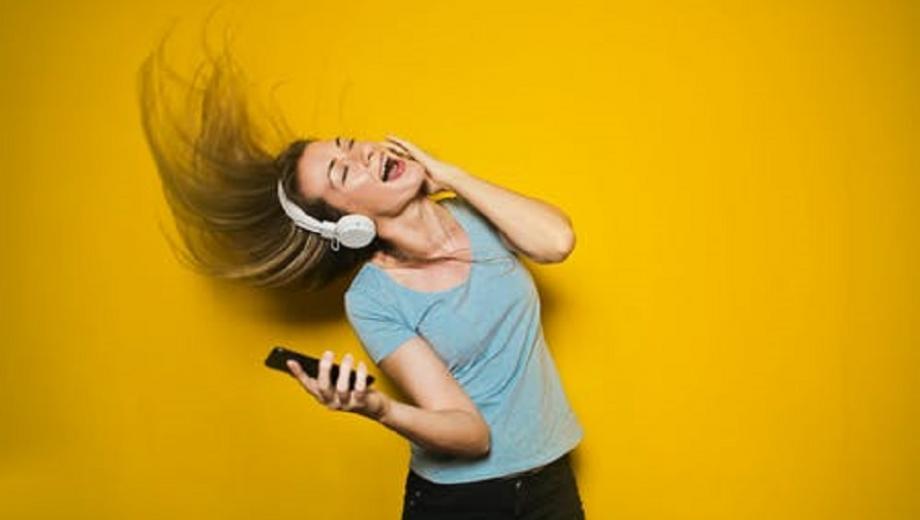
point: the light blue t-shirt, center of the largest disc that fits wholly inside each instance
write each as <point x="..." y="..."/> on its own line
<point x="487" y="331"/>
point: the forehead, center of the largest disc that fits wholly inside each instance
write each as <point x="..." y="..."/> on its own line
<point x="313" y="167"/>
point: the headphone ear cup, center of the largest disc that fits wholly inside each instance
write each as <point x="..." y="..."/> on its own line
<point x="355" y="231"/>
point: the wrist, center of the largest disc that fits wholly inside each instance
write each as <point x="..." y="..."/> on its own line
<point x="451" y="177"/>
<point x="386" y="406"/>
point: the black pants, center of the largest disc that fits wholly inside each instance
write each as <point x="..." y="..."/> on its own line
<point x="550" y="494"/>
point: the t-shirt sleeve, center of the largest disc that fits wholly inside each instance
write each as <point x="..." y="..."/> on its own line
<point x="378" y="326"/>
<point x="506" y="243"/>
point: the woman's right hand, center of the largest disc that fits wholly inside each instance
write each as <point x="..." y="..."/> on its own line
<point x="439" y="175"/>
<point x="335" y="395"/>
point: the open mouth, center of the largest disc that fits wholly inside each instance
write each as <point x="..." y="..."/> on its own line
<point x="392" y="169"/>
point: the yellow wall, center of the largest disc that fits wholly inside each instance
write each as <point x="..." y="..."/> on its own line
<point x="737" y="327"/>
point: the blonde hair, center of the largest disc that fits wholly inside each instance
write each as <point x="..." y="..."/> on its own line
<point x="219" y="179"/>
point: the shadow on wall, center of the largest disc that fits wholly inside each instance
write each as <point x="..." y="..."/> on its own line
<point x="284" y="306"/>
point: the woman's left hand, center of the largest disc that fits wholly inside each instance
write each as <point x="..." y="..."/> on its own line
<point x="338" y="395"/>
<point x="439" y="174"/>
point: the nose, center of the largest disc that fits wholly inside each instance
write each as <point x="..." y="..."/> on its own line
<point x="362" y="154"/>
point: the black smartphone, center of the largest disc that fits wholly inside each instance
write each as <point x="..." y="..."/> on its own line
<point x="279" y="356"/>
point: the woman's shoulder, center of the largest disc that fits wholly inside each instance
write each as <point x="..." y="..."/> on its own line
<point x="366" y="281"/>
<point x="457" y="205"/>
<point x="473" y="222"/>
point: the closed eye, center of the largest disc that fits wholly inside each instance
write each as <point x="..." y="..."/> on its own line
<point x="351" y="144"/>
<point x="338" y="143"/>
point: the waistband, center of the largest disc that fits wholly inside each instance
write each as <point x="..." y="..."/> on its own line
<point x="527" y="473"/>
<point x="552" y="466"/>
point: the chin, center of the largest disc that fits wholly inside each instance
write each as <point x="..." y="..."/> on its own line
<point x="411" y="191"/>
<point x="416" y="181"/>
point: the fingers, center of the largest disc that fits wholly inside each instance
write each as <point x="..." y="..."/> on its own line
<point x="398" y="150"/>
<point x="433" y="167"/>
<point x="400" y="144"/>
<point x="324" y="386"/>
<point x="358" y="395"/>
<point x="334" y="395"/>
<point x="361" y="382"/>
<point x="308" y="382"/>
<point x="341" y="386"/>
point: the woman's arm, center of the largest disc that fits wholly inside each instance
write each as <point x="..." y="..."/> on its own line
<point x="445" y="420"/>
<point x="538" y="229"/>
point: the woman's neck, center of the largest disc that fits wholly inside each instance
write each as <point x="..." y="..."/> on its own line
<point x="424" y="230"/>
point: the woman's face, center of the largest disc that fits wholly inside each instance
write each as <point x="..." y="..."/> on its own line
<point x="353" y="176"/>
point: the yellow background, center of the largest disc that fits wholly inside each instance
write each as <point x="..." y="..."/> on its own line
<point x="737" y="327"/>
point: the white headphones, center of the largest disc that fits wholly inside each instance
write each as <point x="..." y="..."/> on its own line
<point x="353" y="231"/>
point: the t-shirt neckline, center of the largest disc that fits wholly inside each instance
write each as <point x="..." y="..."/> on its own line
<point x="469" y="275"/>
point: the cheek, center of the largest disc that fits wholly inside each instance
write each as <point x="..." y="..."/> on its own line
<point x="374" y="198"/>
<point x="339" y="201"/>
<point x="367" y="196"/>
<point x="416" y="168"/>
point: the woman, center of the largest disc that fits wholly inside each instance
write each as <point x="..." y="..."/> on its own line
<point x="440" y="301"/>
